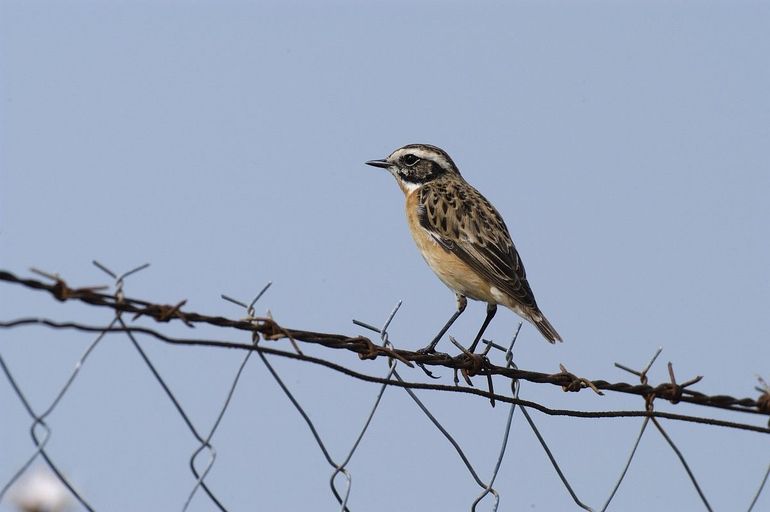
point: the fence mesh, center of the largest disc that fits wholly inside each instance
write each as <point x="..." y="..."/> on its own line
<point x="465" y="367"/>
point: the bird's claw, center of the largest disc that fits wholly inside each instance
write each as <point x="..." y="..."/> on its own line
<point x="429" y="350"/>
<point x="427" y="372"/>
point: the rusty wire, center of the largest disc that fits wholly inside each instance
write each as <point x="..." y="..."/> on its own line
<point x="206" y="443"/>
<point x="487" y="487"/>
<point x="466" y="363"/>
<point x="338" y="468"/>
<point x="366" y="349"/>
<point x="649" y="404"/>
<point x="371" y="378"/>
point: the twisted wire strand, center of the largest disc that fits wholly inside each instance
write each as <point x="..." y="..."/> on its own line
<point x="364" y="347"/>
<point x="469" y="364"/>
<point x="412" y="385"/>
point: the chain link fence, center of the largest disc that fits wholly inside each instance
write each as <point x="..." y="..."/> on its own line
<point x="465" y="366"/>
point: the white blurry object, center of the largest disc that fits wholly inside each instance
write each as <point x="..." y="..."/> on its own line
<point x="41" y="491"/>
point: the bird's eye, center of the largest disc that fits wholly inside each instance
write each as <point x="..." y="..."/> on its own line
<point x="410" y="159"/>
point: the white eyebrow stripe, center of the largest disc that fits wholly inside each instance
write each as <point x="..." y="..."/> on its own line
<point x="423" y="154"/>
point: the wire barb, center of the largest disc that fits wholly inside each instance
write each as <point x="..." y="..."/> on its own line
<point x="267" y="328"/>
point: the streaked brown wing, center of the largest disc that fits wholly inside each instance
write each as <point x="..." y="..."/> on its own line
<point x="465" y="223"/>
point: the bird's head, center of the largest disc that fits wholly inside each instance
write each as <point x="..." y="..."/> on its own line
<point x="416" y="164"/>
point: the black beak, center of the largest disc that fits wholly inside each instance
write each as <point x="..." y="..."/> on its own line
<point x="379" y="163"/>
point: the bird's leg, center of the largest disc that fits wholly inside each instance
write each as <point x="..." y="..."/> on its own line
<point x="491" y="310"/>
<point x="461" y="303"/>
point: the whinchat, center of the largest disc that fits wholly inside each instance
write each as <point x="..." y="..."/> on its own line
<point x="462" y="237"/>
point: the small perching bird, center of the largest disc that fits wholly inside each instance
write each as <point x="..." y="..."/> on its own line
<point x="462" y="238"/>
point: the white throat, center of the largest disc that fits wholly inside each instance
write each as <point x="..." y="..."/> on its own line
<point x="405" y="186"/>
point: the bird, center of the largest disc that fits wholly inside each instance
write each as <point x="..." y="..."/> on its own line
<point x="462" y="237"/>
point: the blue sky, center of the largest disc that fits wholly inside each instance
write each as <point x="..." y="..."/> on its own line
<point x="625" y="143"/>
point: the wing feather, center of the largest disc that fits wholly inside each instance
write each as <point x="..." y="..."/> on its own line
<point x="463" y="222"/>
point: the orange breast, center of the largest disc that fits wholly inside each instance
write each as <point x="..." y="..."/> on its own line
<point x="452" y="271"/>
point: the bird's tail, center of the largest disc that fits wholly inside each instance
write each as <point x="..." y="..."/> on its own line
<point x="545" y="327"/>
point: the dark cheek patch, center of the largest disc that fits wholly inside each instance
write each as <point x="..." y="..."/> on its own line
<point x="423" y="172"/>
<point x="406" y="176"/>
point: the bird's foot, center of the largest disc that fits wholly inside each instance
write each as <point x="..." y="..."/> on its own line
<point x="427" y="372"/>
<point x="429" y="350"/>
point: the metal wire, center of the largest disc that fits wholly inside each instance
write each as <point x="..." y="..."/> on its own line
<point x="467" y="363"/>
<point x="438" y="424"/>
<point x="39" y="444"/>
<point x="119" y="282"/>
<point x="413" y="385"/>
<point x="684" y="463"/>
<point x="515" y="387"/>
<point x="530" y="421"/>
<point x="488" y="489"/>
<point x="338" y="469"/>
<point x="650" y="405"/>
<point x="206" y="445"/>
<point x="384" y="338"/>
<point x="342" y="500"/>
<point x="627" y="465"/>
<point x="759" y="491"/>
<point x="364" y="347"/>
<point x="39" y="420"/>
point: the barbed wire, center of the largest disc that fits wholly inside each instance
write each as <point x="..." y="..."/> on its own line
<point x="465" y="364"/>
<point x="366" y="349"/>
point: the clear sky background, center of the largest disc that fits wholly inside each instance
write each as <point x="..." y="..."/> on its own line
<point x="627" y="145"/>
